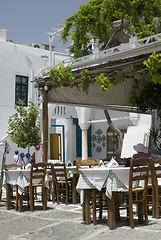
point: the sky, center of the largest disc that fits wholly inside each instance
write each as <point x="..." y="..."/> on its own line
<point x="28" y="21"/>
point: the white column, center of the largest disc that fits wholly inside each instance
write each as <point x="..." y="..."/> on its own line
<point x="84" y="127"/>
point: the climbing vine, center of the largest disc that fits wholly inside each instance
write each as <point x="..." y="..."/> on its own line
<point x="111" y="22"/>
<point x="61" y="76"/>
<point x="153" y="64"/>
<point x="149" y="97"/>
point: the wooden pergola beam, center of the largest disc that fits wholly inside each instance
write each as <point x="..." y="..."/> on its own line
<point x="45" y="125"/>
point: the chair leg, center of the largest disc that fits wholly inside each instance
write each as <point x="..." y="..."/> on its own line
<point x="28" y="196"/>
<point x="17" y="198"/>
<point x="140" y="207"/>
<point x="157" y="208"/>
<point x="153" y="203"/>
<point x="44" y="200"/>
<point x="8" y="196"/>
<point x="53" y="196"/>
<point x="31" y="199"/>
<point x="67" y="194"/>
<point x="146" y="212"/>
<point x="57" y="195"/>
<point x="131" y="211"/>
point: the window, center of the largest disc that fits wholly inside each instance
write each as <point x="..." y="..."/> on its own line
<point x="21" y="89"/>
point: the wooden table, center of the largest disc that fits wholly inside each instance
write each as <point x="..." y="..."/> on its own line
<point x="112" y="179"/>
<point x="20" y="179"/>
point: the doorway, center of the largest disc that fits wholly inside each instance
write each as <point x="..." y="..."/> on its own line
<point x="55" y="146"/>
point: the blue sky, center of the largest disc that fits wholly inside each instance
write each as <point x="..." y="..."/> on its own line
<point x="28" y="21"/>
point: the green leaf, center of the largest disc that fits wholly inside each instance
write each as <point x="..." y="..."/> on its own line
<point x="24" y="125"/>
<point x="156" y="78"/>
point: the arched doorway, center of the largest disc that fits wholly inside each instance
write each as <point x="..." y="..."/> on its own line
<point x="114" y="143"/>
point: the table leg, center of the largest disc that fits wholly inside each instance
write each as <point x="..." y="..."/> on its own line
<point x="17" y="199"/>
<point x="20" y="199"/>
<point x="87" y="206"/>
<point x="111" y="212"/>
<point x="74" y="183"/>
<point x="94" y="206"/>
<point x="8" y="196"/>
<point x="45" y="199"/>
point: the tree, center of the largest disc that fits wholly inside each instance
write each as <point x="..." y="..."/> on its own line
<point x="111" y="22"/>
<point x="24" y="125"/>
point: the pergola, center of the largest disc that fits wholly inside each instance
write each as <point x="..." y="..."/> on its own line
<point x="121" y="59"/>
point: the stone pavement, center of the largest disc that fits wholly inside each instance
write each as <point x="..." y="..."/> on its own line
<point x="64" y="222"/>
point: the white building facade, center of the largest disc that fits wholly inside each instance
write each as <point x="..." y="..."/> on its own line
<point x="19" y="64"/>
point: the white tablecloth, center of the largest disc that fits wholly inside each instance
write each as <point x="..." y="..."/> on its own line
<point x="98" y="175"/>
<point x="113" y="179"/>
<point x="21" y="178"/>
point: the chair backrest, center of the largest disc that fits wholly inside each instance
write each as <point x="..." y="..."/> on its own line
<point x="49" y="170"/>
<point x="156" y="172"/>
<point x="13" y="165"/>
<point x="139" y="172"/>
<point x="37" y="173"/>
<point x="86" y="163"/>
<point x="59" y="170"/>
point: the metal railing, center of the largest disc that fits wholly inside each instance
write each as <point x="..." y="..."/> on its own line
<point x="102" y="56"/>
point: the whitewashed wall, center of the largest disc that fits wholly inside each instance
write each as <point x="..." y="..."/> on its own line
<point x="70" y="129"/>
<point x="18" y="59"/>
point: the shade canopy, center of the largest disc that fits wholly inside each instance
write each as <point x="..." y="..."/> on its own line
<point x="116" y="96"/>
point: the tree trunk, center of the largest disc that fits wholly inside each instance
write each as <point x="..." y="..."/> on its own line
<point x="112" y="125"/>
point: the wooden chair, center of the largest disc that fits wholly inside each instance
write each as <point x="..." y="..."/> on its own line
<point x="86" y="163"/>
<point x="12" y="192"/>
<point x="96" y="197"/>
<point x="136" y="195"/>
<point x="62" y="184"/>
<point x="10" y="166"/>
<point x="151" y="202"/>
<point x="37" y="180"/>
<point x="156" y="181"/>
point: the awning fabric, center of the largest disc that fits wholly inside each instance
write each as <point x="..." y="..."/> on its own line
<point x="116" y="95"/>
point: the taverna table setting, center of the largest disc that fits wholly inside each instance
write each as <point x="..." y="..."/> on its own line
<point x="21" y="178"/>
<point x="112" y="178"/>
